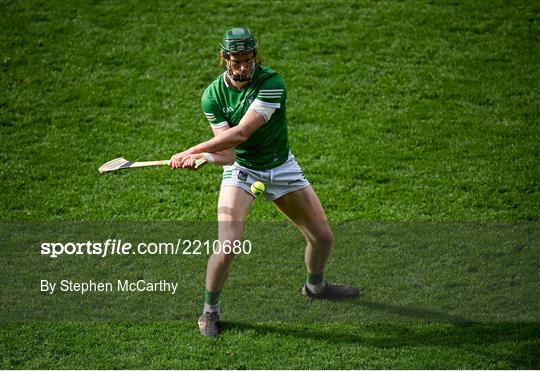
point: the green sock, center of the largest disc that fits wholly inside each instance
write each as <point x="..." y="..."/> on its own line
<point x="211" y="298"/>
<point x="315" y="279"/>
<point x="315" y="282"/>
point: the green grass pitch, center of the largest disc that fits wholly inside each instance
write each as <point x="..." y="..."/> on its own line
<point x="417" y="122"/>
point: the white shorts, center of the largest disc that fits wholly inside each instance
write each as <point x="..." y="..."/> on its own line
<point x="286" y="178"/>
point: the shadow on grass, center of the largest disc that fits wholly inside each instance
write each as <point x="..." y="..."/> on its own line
<point x="399" y="334"/>
<point x="523" y="337"/>
<point x="413" y="313"/>
<point x="419" y="328"/>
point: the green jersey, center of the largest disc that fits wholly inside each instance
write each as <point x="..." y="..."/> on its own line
<point x="223" y="105"/>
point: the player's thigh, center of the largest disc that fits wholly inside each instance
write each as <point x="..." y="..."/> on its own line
<point x="233" y="207"/>
<point x="304" y="209"/>
<point x="234" y="204"/>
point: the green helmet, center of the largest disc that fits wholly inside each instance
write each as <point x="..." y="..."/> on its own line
<point x="238" y="40"/>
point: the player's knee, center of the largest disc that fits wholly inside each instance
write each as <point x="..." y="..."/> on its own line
<point x="327" y="237"/>
<point x="224" y="257"/>
<point x="324" y="237"/>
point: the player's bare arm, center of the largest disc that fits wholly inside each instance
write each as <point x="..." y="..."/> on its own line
<point x="225" y="139"/>
<point x="225" y="157"/>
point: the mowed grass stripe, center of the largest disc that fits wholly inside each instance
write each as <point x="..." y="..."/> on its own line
<point x="255" y="345"/>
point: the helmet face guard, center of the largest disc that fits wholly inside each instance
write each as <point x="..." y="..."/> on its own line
<point x="237" y="76"/>
<point x="239" y="40"/>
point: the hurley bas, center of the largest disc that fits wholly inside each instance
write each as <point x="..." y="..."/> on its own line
<point x="120" y="286"/>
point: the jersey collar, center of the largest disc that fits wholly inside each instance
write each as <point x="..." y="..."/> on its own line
<point x="232" y="87"/>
